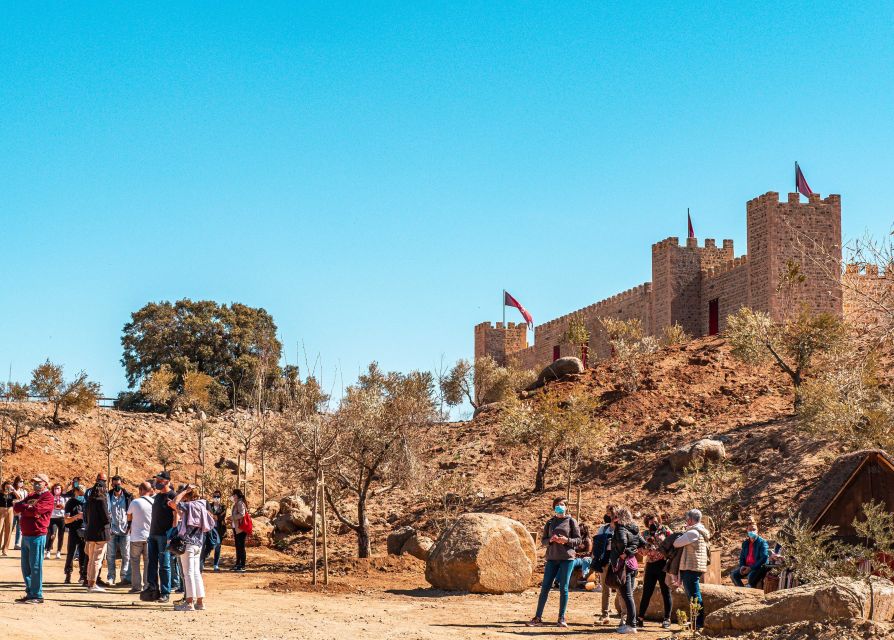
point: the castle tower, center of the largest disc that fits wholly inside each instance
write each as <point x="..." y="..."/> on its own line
<point x="804" y="234"/>
<point x="676" y="281"/>
<point x="500" y="342"/>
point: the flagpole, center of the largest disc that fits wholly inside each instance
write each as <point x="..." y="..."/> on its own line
<point x="503" y="301"/>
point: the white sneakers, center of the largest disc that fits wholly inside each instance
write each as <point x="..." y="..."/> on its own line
<point x="627" y="629"/>
<point x="58" y="555"/>
<point x="96" y="589"/>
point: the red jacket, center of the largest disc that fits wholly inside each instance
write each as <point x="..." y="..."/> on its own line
<point x="34" y="513"/>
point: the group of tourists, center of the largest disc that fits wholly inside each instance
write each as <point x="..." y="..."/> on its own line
<point x="108" y="524"/>
<point x="616" y="552"/>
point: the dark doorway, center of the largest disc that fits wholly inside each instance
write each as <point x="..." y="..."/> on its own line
<point x="714" y="317"/>
<point x="556" y="352"/>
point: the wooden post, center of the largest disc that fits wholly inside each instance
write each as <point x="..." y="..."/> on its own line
<point x="323" y="517"/>
<point x="239" y="470"/>
<point x="313" y="521"/>
<point x="263" y="477"/>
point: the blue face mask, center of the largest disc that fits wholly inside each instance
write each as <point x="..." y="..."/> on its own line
<point x="752" y="534"/>
<point x="559" y="509"/>
<point x="80" y="499"/>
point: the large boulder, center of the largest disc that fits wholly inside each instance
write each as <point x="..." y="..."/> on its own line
<point x="418" y="546"/>
<point x="558" y="370"/>
<point x="397" y="538"/>
<point x="697" y="453"/>
<point x="826" y="601"/>
<point x="294" y="515"/>
<point x="482" y="553"/>
<point x="714" y="596"/>
<point x="269" y="510"/>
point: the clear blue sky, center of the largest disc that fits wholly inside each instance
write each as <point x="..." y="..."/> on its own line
<point x="375" y="174"/>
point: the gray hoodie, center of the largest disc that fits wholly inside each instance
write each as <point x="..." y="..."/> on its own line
<point x="566" y="527"/>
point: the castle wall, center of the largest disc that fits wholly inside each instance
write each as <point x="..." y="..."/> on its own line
<point x="499" y="341"/>
<point x="866" y="294"/>
<point x="634" y="303"/>
<point x="728" y="284"/>
<point x="676" y="278"/>
<point x="808" y="234"/>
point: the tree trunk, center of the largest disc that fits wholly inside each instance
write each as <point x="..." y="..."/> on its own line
<point x="364" y="549"/>
<point x="109" y="466"/>
<point x="263" y="477"/>
<point x="56" y="412"/>
<point x="238" y="470"/>
<point x="325" y="537"/>
<point x="313" y="520"/>
<point x="541" y="471"/>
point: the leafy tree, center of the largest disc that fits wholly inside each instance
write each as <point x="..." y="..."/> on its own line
<point x="228" y="343"/>
<point x="482" y="383"/>
<point x="15" y="423"/>
<point x="848" y="402"/>
<point x="79" y="394"/>
<point x="630" y="346"/>
<point x="158" y="387"/>
<point x="577" y="334"/>
<point x="791" y="345"/>
<point x="380" y="423"/>
<point x="554" y="425"/>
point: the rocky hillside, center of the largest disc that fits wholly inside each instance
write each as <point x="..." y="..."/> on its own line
<point x="688" y="393"/>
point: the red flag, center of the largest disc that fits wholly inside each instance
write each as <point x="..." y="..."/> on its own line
<point x="689" y="219"/>
<point x="801" y="183"/>
<point x="509" y="301"/>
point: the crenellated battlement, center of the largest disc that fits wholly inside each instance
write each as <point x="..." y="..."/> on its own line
<point x="698" y="285"/>
<point x="729" y="265"/>
<point x="593" y="309"/>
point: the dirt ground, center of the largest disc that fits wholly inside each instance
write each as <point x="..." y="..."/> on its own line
<point x="381" y="599"/>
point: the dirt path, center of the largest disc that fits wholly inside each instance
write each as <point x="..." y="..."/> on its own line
<point x="242" y="606"/>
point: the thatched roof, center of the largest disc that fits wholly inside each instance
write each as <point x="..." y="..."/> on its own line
<point x="833" y="483"/>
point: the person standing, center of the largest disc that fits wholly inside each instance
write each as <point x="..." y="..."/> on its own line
<point x="561" y="536"/>
<point x="753" y="558"/>
<point x="57" y="522"/>
<point x="218" y="511"/>
<point x="158" y="575"/>
<point x="655" y="534"/>
<point x="34" y="513"/>
<point x="7" y="500"/>
<point x="694" y="559"/>
<point x="625" y="544"/>
<point x="18" y="488"/>
<point x="74" y="522"/>
<point x="139" y="517"/>
<point x="240" y="511"/>
<point x="97" y="532"/>
<point x="119" y="543"/>
<point x="193" y="521"/>
<point x="601" y="552"/>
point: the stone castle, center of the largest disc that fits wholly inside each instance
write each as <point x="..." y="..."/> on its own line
<point x="699" y="286"/>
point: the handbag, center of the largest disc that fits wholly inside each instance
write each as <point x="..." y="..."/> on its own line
<point x="246" y="525"/>
<point x="616" y="576"/>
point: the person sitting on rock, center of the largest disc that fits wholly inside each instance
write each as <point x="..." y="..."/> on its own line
<point x="561" y="536"/>
<point x="583" y="554"/>
<point x="752" y="559"/>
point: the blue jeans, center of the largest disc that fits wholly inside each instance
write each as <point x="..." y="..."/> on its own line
<point x="584" y="565"/>
<point x="555" y="571"/>
<point x="158" y="573"/>
<point x="15" y="523"/>
<point x="32" y="564"/>
<point x="690" y="580"/>
<point x="119" y="547"/>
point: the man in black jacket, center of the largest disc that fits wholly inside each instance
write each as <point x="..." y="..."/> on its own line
<point x="97" y="531"/>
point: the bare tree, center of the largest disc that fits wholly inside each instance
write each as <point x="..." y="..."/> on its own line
<point x="380" y="422"/>
<point x="14" y="423"/>
<point x="112" y="434"/>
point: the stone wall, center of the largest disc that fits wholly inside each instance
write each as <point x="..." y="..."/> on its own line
<point x="728" y="284"/>
<point x="498" y="341"/>
<point x="868" y="294"/>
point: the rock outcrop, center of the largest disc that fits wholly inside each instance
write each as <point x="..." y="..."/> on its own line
<point x="715" y="596"/>
<point x="482" y="553"/>
<point x="418" y="546"/>
<point x="558" y="370"/>
<point x="697" y="453"/>
<point x="826" y="601"/>
<point x="395" y="541"/>
<point x="294" y="515"/>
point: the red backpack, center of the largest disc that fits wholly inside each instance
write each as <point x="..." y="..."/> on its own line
<point x="246" y="526"/>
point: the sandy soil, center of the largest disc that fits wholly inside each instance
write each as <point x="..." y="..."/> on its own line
<point x="375" y="602"/>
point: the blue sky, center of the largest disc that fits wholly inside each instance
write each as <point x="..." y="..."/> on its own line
<point x="375" y="174"/>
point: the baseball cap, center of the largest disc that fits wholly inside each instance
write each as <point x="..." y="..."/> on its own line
<point x="40" y="477"/>
<point x="164" y="475"/>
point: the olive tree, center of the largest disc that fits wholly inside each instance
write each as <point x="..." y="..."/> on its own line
<point x="79" y="394"/>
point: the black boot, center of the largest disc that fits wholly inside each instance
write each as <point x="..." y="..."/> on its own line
<point x="67" y="578"/>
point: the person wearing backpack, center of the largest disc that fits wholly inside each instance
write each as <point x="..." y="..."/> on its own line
<point x="74" y="522"/>
<point x="694" y="559"/>
<point x="240" y="521"/>
<point x="139" y="522"/>
<point x="193" y="521"/>
<point x="561" y="536"/>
